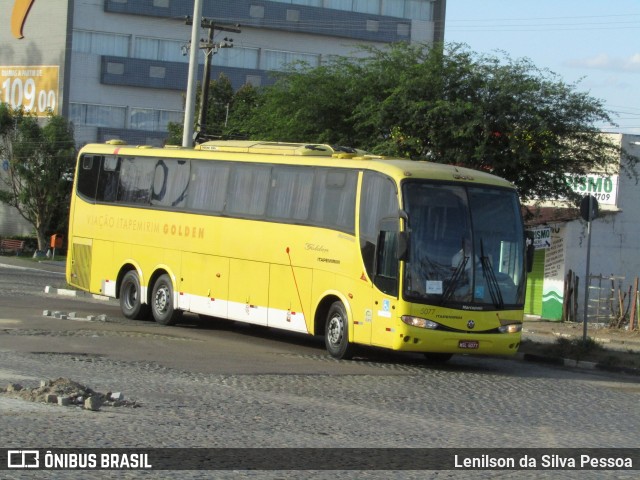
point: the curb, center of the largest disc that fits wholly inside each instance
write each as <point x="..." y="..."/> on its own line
<point x="569" y="362"/>
<point x="74" y="293"/>
<point x="602" y="340"/>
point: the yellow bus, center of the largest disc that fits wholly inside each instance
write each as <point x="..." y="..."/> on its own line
<point x="364" y="250"/>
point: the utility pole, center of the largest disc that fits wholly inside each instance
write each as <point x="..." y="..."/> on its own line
<point x="187" y="132"/>
<point x="210" y="49"/>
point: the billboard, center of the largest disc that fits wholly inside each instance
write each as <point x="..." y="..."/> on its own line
<point x="35" y="88"/>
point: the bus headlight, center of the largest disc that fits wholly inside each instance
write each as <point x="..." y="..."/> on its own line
<point x="511" y="328"/>
<point x="419" y="322"/>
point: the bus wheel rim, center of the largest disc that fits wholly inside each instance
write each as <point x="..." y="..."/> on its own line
<point x="131" y="296"/>
<point x="161" y="300"/>
<point x="336" y="329"/>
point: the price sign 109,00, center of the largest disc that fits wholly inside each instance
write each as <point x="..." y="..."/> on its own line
<point x="33" y="88"/>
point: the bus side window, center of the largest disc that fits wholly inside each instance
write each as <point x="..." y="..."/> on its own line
<point x="248" y="190"/>
<point x="386" y="277"/>
<point x="208" y="186"/>
<point x="378" y="200"/>
<point x="88" y="176"/>
<point x="170" y="182"/>
<point x="290" y="193"/>
<point x="136" y="178"/>
<point x="108" y="179"/>
<point x="334" y="199"/>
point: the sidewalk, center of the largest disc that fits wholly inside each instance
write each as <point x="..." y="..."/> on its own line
<point x="27" y="262"/>
<point x="540" y="330"/>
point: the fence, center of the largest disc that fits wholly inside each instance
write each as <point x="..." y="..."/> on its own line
<point x="610" y="303"/>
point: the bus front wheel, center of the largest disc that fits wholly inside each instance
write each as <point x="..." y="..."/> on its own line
<point x="131" y="297"/>
<point x="336" y="334"/>
<point x="162" y="302"/>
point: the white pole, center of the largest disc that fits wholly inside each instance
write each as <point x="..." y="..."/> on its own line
<point x="187" y="135"/>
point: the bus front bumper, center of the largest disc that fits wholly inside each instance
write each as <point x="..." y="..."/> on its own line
<point x="467" y="343"/>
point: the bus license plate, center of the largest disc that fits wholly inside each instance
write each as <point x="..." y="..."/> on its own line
<point x="468" y="344"/>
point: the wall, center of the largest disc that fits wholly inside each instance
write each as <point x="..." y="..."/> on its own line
<point x="615" y="248"/>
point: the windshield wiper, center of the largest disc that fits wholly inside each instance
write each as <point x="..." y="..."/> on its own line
<point x="490" y="277"/>
<point x="455" y="279"/>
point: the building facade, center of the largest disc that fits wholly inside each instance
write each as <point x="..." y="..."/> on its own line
<point x="614" y="254"/>
<point x="119" y="68"/>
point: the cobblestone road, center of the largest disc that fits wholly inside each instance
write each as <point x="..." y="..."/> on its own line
<point x="467" y="403"/>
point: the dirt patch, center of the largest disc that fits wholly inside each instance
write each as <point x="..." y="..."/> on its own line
<point x="66" y="392"/>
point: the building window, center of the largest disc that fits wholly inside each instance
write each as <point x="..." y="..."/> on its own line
<point x="151" y="119"/>
<point x="367" y="6"/>
<point x="339" y="4"/>
<point x="372" y="25"/>
<point x="256" y="11"/>
<point x="97" y="115"/>
<point x="393" y="8"/>
<point x="239" y="57"/>
<point x="281" y="60"/>
<point x="413" y="9"/>
<point x="100" y="43"/>
<point x="161" y="3"/>
<point x="159" y="49"/>
<point x="418" y="9"/>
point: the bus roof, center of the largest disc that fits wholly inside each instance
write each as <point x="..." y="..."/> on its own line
<point x="304" y="154"/>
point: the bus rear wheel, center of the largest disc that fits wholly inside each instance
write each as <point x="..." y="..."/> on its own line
<point x="336" y="333"/>
<point x="162" y="302"/>
<point x="131" y="297"/>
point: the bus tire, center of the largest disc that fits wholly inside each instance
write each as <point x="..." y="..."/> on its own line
<point x="436" y="357"/>
<point x="336" y="333"/>
<point x="162" y="302"/>
<point x="131" y="297"/>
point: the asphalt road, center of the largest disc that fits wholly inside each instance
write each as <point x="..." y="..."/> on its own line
<point x="222" y="384"/>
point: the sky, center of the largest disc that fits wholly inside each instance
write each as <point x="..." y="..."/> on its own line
<point x="593" y="42"/>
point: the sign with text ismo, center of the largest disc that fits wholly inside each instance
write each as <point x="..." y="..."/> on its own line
<point x="603" y="187"/>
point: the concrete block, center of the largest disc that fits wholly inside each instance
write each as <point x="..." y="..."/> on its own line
<point x="117" y="396"/>
<point x="14" y="387"/>
<point x="92" y="403"/>
<point x="51" y="398"/>
<point x="64" y="401"/>
<point x="46" y="313"/>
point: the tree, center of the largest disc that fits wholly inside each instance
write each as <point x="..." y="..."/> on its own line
<point x="41" y="161"/>
<point x="226" y="111"/>
<point x="448" y="105"/>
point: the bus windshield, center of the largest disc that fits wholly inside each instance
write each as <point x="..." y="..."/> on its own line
<point x="466" y="246"/>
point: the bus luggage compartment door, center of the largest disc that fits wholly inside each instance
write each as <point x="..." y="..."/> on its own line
<point x="81" y="263"/>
